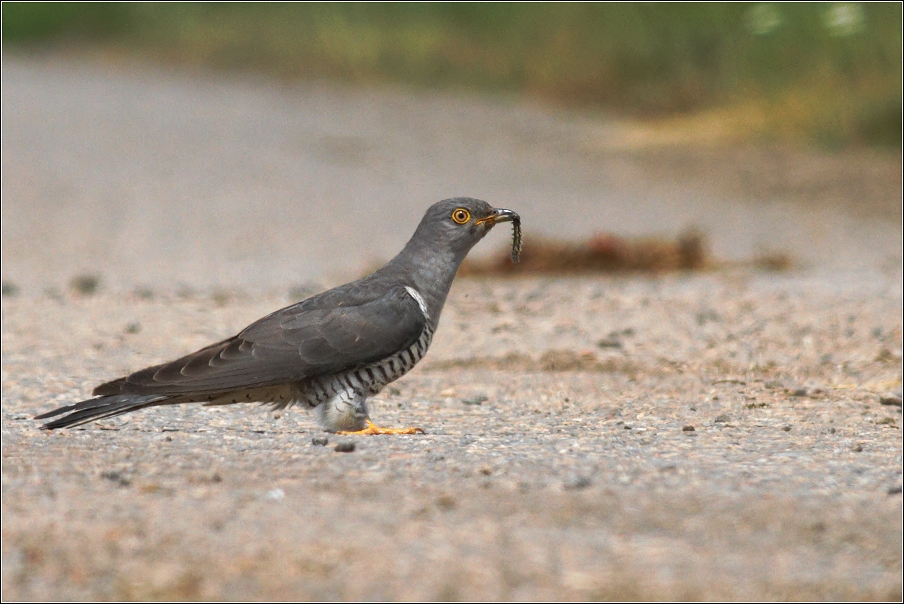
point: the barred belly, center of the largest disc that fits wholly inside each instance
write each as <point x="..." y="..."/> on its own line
<point x="368" y="380"/>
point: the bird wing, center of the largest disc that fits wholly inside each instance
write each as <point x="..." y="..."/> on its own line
<point x="324" y="334"/>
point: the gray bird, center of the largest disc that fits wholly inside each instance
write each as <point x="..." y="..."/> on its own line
<point x="329" y="352"/>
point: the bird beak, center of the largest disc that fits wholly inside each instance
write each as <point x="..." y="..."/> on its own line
<point x="499" y="215"/>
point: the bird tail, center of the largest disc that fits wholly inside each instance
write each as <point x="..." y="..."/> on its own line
<point x="100" y="408"/>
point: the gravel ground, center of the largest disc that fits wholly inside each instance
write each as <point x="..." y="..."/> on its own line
<point x="730" y="434"/>
<point x="710" y="436"/>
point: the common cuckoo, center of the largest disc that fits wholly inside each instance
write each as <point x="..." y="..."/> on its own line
<point x="329" y="352"/>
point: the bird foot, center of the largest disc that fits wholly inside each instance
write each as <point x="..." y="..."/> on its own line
<point x="372" y="429"/>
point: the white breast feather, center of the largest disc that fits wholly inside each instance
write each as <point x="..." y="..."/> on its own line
<point x="419" y="299"/>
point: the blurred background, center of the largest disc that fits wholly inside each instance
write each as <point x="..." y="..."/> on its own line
<point x="827" y="72"/>
<point x="265" y="143"/>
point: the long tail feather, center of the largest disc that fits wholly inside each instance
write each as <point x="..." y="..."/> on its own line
<point x="100" y="408"/>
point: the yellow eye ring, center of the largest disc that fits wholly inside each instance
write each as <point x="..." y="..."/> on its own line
<point x="461" y="215"/>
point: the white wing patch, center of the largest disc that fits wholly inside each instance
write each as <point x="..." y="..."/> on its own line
<point x="419" y="299"/>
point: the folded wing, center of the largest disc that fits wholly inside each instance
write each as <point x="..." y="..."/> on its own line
<point x="307" y="339"/>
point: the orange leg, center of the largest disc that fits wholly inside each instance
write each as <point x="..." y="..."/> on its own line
<point x="372" y="429"/>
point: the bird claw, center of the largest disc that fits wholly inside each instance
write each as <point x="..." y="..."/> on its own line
<point x="373" y="429"/>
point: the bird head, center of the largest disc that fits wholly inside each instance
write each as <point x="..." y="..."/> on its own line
<point x="446" y="234"/>
<point x="459" y="223"/>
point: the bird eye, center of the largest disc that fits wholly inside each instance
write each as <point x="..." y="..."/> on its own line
<point x="461" y="215"/>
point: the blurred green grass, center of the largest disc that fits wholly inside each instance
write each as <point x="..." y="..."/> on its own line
<point x="826" y="73"/>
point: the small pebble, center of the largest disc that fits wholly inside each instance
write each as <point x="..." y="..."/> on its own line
<point x="893" y="401"/>
<point x="320" y="441"/>
<point x="133" y="328"/>
<point x="85" y="284"/>
<point x="116" y="477"/>
<point x="722" y="419"/>
<point x="799" y="392"/>
<point x="894" y="490"/>
<point x="885" y="355"/>
<point x="8" y="288"/>
<point x="475" y="400"/>
<point x="609" y="342"/>
<point x="786" y="428"/>
<point x="578" y="483"/>
<point x="344" y="446"/>
<point x="887" y="421"/>
<point x="688" y="429"/>
<point x="858" y="448"/>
